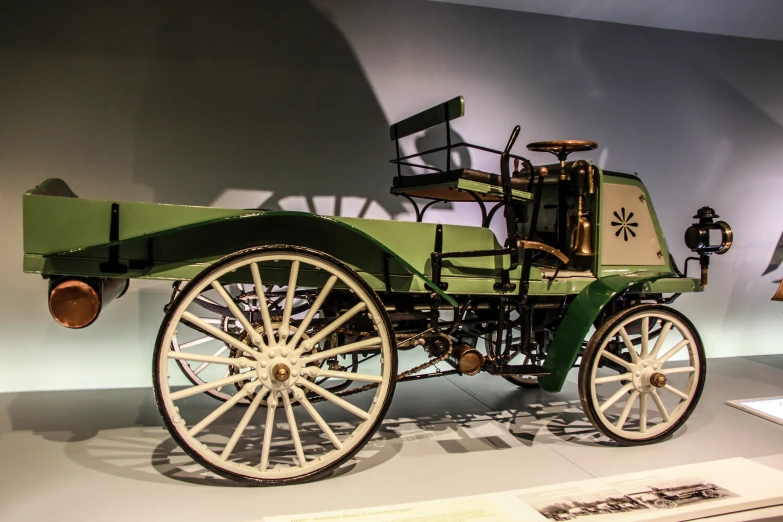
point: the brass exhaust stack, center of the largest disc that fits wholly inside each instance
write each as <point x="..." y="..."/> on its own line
<point x="76" y="303"/>
<point x="466" y="359"/>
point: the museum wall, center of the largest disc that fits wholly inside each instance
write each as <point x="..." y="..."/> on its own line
<point x="287" y="105"/>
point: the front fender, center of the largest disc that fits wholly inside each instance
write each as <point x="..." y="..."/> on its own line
<point x="581" y="315"/>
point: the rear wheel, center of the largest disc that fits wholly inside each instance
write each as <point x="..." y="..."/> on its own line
<point x="280" y="364"/>
<point x="630" y="388"/>
<point x="208" y="307"/>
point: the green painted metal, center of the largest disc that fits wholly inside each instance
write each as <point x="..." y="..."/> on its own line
<point x="581" y="315"/>
<point x="180" y="235"/>
<point x="495" y="190"/>
<point x="65" y="235"/>
<point x="466" y="185"/>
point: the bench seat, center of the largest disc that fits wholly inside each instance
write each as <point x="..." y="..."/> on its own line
<point x="454" y="185"/>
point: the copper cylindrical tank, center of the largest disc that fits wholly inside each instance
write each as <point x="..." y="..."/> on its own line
<point x="76" y="302"/>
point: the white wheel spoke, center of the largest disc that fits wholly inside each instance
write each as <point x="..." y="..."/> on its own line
<point x="205" y="299"/>
<point x="209" y="359"/>
<point x="219" y="334"/>
<point x="661" y="339"/>
<point x="280" y="326"/>
<point x="680" y="369"/>
<point x="335" y="399"/>
<point x="626" y="410"/>
<point x="217" y="412"/>
<point x="618" y="360"/>
<point x="289" y="301"/>
<point x="661" y="407"/>
<point x="289" y="413"/>
<point x="668" y="355"/>
<point x="645" y="337"/>
<point x="311" y="313"/>
<point x="350" y="376"/>
<point x="676" y="392"/>
<point x="195" y="390"/>
<point x="262" y="304"/>
<point x="629" y="345"/>
<point x="643" y="413"/>
<point x="614" y="398"/>
<point x="196" y="342"/>
<point x="662" y="336"/>
<point x="222" y="349"/>
<point x="319" y="420"/>
<point x="255" y="337"/>
<point x="317" y="356"/>
<point x="271" y="405"/>
<point x="240" y="429"/>
<point x="614" y="378"/>
<point x="334" y="325"/>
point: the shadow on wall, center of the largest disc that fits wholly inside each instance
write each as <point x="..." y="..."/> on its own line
<point x="244" y="95"/>
<point x="260" y="96"/>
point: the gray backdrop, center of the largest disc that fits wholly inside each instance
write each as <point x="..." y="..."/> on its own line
<point x="287" y="104"/>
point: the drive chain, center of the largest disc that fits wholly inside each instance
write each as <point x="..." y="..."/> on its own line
<point x="403" y="375"/>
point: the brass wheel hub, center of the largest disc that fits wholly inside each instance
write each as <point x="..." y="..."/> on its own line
<point x="644" y="376"/>
<point x="281" y="372"/>
<point x="278" y="368"/>
<point x="658" y="380"/>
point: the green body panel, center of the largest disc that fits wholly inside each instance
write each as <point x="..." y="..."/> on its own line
<point x="70" y="236"/>
<point x="581" y="315"/>
<point x="54" y="224"/>
<point x="471" y="186"/>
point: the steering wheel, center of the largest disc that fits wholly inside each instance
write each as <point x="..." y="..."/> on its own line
<point x="562" y="148"/>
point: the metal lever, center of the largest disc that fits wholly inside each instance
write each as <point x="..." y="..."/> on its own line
<point x="508" y="210"/>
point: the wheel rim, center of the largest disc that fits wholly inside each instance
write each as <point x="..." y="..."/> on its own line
<point x="639" y="394"/>
<point x="278" y="373"/>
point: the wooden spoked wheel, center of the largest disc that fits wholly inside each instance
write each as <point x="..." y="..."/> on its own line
<point x="631" y="385"/>
<point x="293" y="429"/>
<point x="208" y="307"/>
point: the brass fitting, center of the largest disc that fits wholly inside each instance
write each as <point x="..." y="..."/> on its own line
<point x="281" y="373"/>
<point x="658" y="380"/>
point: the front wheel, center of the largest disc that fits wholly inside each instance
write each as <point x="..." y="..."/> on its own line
<point x="280" y="363"/>
<point x="628" y="385"/>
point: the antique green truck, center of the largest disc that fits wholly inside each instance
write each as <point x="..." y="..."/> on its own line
<point x="291" y="311"/>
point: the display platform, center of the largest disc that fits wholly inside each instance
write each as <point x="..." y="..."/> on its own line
<point x="104" y="455"/>
<point x="770" y="408"/>
<point x="671" y="494"/>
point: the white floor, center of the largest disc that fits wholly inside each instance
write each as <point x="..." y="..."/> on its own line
<point x="103" y="455"/>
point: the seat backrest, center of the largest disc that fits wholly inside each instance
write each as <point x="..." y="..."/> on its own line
<point x="441" y="113"/>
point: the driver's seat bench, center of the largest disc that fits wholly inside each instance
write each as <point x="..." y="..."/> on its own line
<point x="456" y="185"/>
<point x="462" y="184"/>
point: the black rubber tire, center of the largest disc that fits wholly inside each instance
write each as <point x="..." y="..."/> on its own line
<point x="587" y="362"/>
<point x="316" y="474"/>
